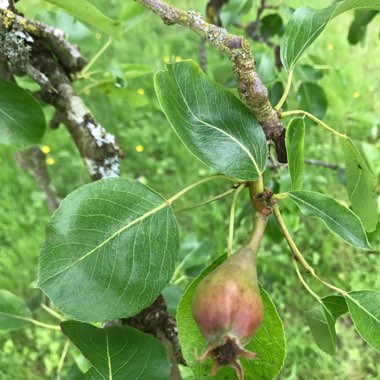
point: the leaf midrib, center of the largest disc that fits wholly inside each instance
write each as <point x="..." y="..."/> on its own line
<point x="218" y="129"/>
<point x="327" y="216"/>
<point x="117" y="233"/>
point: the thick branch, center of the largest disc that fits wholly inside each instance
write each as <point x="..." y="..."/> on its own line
<point x="250" y="87"/>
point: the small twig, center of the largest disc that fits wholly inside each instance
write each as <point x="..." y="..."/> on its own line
<point x="95" y="58"/>
<point x="62" y="359"/>
<point x="309" y="161"/>
<point x="323" y="164"/>
<point x="304" y="283"/>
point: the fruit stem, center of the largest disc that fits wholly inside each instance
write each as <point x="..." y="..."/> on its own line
<point x="232" y="219"/>
<point x="260" y="221"/>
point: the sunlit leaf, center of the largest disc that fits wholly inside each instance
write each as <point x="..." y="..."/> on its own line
<point x="307" y="24"/>
<point x="338" y="218"/>
<point x="109" y="251"/>
<point x="212" y="123"/>
<point x="364" y="307"/>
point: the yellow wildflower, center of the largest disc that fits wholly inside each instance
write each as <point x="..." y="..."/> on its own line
<point x="356" y="94"/>
<point x="330" y="47"/>
<point x="139" y="148"/>
<point x="50" y="161"/>
<point x="45" y="149"/>
<point x="141" y="91"/>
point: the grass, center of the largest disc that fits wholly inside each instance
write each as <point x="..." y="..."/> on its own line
<point x="167" y="166"/>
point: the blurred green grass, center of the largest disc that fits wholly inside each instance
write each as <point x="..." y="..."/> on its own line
<point x="167" y="166"/>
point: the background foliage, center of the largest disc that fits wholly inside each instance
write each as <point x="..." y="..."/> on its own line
<point x="349" y="75"/>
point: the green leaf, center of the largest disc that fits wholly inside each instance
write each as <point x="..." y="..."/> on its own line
<point x="336" y="305"/>
<point x="119" y="353"/>
<point x="136" y="70"/>
<point x="358" y="27"/>
<point x="13" y="311"/>
<point x="233" y="10"/>
<point x="268" y="343"/>
<point x="295" y="136"/>
<point x="364" y="307"/>
<point x="338" y="218"/>
<point x="271" y="25"/>
<point x="307" y="24"/>
<point x="22" y="121"/>
<point x="360" y="184"/>
<point x="307" y="73"/>
<point x="109" y="251"/>
<point x="312" y="98"/>
<point x="212" y="123"/>
<point x="85" y="11"/>
<point x="322" y="327"/>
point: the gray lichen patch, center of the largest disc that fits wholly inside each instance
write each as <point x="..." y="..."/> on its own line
<point x="110" y="167"/>
<point x="100" y="135"/>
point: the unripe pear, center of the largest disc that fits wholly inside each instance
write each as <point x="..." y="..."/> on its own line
<point x="228" y="310"/>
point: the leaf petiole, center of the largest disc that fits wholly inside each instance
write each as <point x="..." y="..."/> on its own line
<point x="316" y="120"/>
<point x="298" y="255"/>
<point x="286" y="91"/>
<point x="232" y="218"/>
<point x="207" y="201"/>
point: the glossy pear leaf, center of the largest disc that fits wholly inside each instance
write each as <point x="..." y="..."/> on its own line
<point x="268" y="343"/>
<point x="322" y="327"/>
<point x="109" y="251"/>
<point x="211" y="122"/>
<point x="306" y="24"/>
<point x="119" y="353"/>
<point x="336" y="305"/>
<point x="360" y="184"/>
<point x="13" y="312"/>
<point x="295" y="137"/>
<point x="85" y="11"/>
<point x="338" y="218"/>
<point x="22" y="120"/>
<point x="364" y="307"/>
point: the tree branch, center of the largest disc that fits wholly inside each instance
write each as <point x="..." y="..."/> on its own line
<point x="250" y="87"/>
